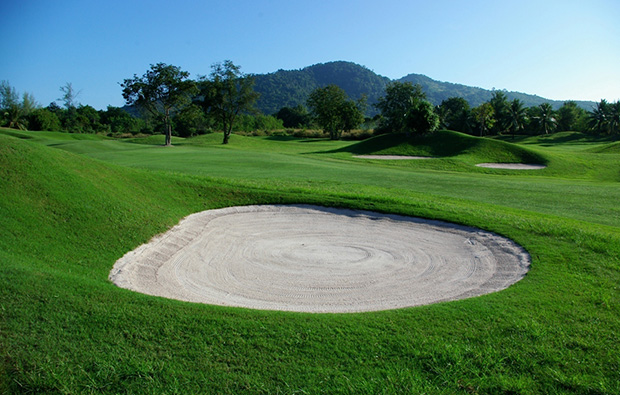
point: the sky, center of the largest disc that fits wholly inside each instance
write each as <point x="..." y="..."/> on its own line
<point x="557" y="49"/>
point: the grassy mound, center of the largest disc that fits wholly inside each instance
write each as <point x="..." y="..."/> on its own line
<point x="445" y="144"/>
<point x="611" y="148"/>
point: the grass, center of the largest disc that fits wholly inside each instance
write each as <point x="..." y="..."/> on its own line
<point x="65" y="217"/>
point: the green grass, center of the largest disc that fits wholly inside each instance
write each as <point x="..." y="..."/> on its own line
<point x="65" y="217"/>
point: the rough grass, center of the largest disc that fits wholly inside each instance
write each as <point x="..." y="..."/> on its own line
<point x="64" y="328"/>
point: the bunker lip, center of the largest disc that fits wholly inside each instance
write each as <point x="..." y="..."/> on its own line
<point x="393" y="157"/>
<point x="511" y="166"/>
<point x="320" y="260"/>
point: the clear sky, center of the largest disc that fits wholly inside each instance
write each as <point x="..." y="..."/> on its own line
<point x="558" y="49"/>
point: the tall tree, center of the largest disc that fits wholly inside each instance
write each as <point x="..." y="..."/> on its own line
<point x="69" y="96"/>
<point x="399" y="101"/>
<point x="517" y="117"/>
<point x="14" y="112"/>
<point x="161" y="90"/>
<point x="483" y="115"/>
<point x="227" y="93"/>
<point x="454" y="114"/>
<point x="613" y="117"/>
<point x="501" y="111"/>
<point x="569" y="116"/>
<point x="545" y="118"/>
<point x="334" y="111"/>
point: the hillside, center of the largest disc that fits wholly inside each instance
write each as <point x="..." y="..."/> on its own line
<point x="289" y="88"/>
<point x="437" y="91"/>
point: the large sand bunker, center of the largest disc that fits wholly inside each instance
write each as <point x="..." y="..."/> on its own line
<point x="315" y="259"/>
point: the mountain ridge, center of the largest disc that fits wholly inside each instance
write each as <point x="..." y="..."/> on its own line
<point x="289" y="88"/>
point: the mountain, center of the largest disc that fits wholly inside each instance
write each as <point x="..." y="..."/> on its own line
<point x="437" y="91"/>
<point x="289" y="88"/>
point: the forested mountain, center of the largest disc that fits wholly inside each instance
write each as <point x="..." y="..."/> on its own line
<point x="289" y="88"/>
<point x="437" y="91"/>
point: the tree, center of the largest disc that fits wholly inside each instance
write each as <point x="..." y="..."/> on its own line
<point x="454" y="113"/>
<point x="501" y="113"/>
<point x="483" y="115"/>
<point x="570" y="116"/>
<point x="14" y="113"/>
<point x="605" y="117"/>
<point x="517" y="117"/>
<point x="160" y="91"/>
<point x="295" y="117"/>
<point x="69" y="96"/>
<point x="399" y="100"/>
<point x="43" y="119"/>
<point x="545" y="118"/>
<point x="227" y="93"/>
<point x="334" y="111"/>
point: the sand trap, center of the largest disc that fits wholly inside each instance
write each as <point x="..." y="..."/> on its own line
<point x="391" y="157"/>
<point x="315" y="259"/>
<point x="511" y="166"/>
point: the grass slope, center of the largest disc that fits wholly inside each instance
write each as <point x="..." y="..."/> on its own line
<point x="447" y="143"/>
<point x="65" y="219"/>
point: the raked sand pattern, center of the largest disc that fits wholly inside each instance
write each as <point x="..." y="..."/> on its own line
<point x="315" y="259"/>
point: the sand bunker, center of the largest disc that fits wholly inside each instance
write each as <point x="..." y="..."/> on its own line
<point x="314" y="259"/>
<point x="391" y="157"/>
<point x="511" y="166"/>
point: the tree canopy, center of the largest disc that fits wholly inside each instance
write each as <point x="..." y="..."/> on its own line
<point x="160" y="90"/>
<point x="404" y="108"/>
<point x="334" y="111"/>
<point x="226" y="93"/>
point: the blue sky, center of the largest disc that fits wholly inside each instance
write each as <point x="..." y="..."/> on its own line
<point x="558" y="49"/>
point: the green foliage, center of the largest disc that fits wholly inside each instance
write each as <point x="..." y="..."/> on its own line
<point x="250" y="123"/>
<point x="544" y="118"/>
<point x="605" y="117"/>
<point x="44" y="119"/>
<point x="226" y="94"/>
<point x="501" y="112"/>
<point x="483" y="115"/>
<point x="404" y="109"/>
<point x="120" y="121"/>
<point x="161" y="90"/>
<point x="13" y="112"/>
<point x="292" y="88"/>
<point x="192" y="121"/>
<point x="334" y="112"/>
<point x="571" y="117"/>
<point x="296" y="117"/>
<point x="454" y="114"/>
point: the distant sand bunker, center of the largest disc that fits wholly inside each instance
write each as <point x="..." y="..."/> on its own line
<point x="392" y="157"/>
<point x="315" y="259"/>
<point x="511" y="166"/>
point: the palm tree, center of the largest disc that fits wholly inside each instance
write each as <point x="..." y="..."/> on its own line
<point x="546" y="119"/>
<point x="613" y="117"/>
<point x="516" y="112"/>
<point x="597" y="118"/>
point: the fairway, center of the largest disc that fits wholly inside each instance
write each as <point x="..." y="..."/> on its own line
<point x="74" y="205"/>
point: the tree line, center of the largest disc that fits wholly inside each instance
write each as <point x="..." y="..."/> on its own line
<point x="165" y="100"/>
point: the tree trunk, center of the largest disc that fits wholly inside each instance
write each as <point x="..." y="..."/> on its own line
<point x="168" y="128"/>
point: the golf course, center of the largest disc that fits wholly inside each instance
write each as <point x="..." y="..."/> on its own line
<point x="73" y="205"/>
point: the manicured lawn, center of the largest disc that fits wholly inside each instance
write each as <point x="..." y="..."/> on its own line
<point x="65" y="217"/>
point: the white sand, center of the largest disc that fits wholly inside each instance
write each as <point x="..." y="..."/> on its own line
<point x="315" y="259"/>
<point x="511" y="166"/>
<point x="392" y="157"/>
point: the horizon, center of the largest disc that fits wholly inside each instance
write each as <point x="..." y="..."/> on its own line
<point x="558" y="50"/>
